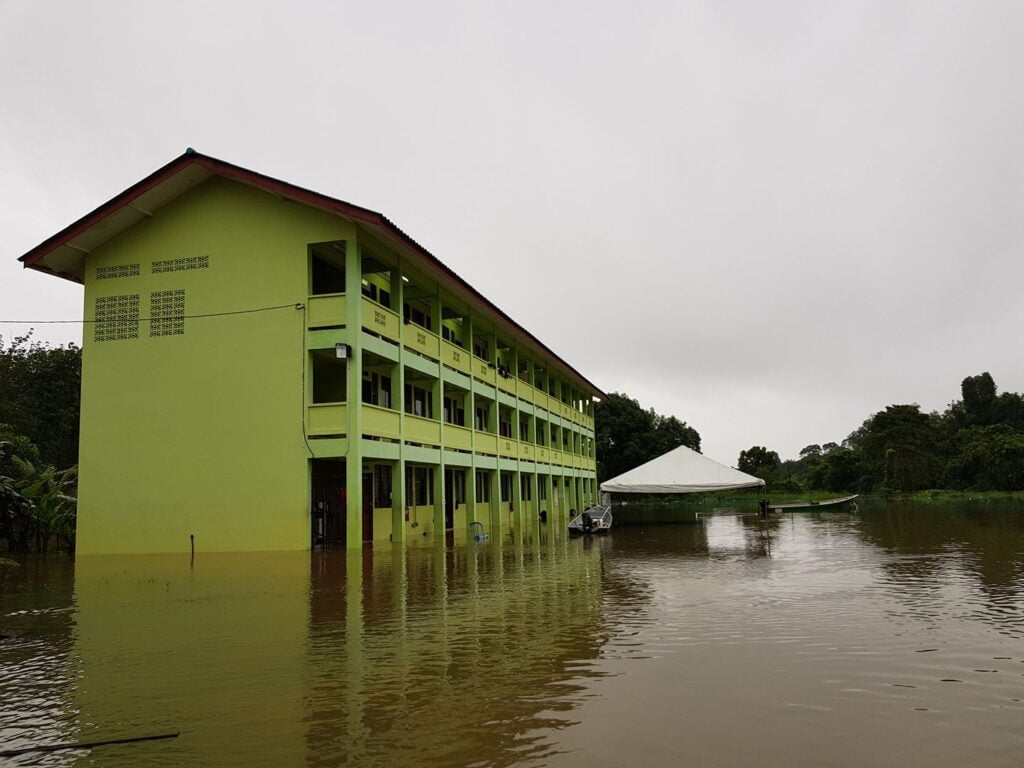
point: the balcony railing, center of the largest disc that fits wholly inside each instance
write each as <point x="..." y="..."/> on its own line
<point x="382" y="422"/>
<point x="455" y="357"/>
<point x="421" y="340"/>
<point x="327" y="419"/>
<point x="326" y="310"/>
<point x="381" y="320"/>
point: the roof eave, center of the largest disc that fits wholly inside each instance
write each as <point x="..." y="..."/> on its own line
<point x="35" y="257"/>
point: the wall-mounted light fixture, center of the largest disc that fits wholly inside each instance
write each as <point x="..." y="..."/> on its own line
<point x="341" y="351"/>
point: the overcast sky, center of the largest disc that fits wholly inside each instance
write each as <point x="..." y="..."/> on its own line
<point x="767" y="218"/>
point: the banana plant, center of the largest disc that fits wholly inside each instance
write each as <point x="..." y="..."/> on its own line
<point x="38" y="505"/>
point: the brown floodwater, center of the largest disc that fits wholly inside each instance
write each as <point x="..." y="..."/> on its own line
<point x="892" y="637"/>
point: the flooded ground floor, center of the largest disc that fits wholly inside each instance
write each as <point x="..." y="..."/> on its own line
<point x="890" y="638"/>
<point x="407" y="501"/>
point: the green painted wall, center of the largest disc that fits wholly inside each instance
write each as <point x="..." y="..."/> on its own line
<point x="202" y="433"/>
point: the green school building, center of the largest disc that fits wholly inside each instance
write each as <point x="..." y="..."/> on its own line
<point x="268" y="368"/>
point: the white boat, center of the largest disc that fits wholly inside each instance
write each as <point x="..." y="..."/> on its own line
<point x="593" y="520"/>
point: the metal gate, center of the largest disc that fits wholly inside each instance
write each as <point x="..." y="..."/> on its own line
<point x="327" y="492"/>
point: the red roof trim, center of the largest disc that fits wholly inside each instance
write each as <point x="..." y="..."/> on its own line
<point x="72" y="231"/>
<point x="282" y="189"/>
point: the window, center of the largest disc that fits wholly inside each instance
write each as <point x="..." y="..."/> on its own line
<point x="542" y="489"/>
<point x="541" y="429"/>
<point x="453" y="414"/>
<point x="525" y="487"/>
<point x="480" y="348"/>
<point x="419" y="486"/>
<point x="505" y="428"/>
<point x="382" y="486"/>
<point x="376" y="293"/>
<point x="502" y="364"/>
<point x="376" y="389"/>
<point x="506" y="486"/>
<point x="448" y="334"/>
<point x="329" y="380"/>
<point x="370" y="385"/>
<point x="483" y="487"/>
<point x="413" y="314"/>
<point x="480" y="419"/>
<point x="327" y="268"/>
<point x="524" y="429"/>
<point x="418" y="402"/>
<point x="458" y="489"/>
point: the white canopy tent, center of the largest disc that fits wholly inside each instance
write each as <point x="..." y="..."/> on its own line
<point x="681" y="470"/>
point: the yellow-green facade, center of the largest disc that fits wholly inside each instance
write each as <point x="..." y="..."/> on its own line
<point x="262" y="374"/>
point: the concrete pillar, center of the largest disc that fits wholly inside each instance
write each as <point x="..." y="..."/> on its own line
<point x="398" y="489"/>
<point x="497" y="525"/>
<point x="535" y="493"/>
<point x="398" y="492"/>
<point x="439" y="498"/>
<point x="354" y="458"/>
<point x="517" y="506"/>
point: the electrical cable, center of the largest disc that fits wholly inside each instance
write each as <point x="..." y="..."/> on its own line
<point x="302" y="400"/>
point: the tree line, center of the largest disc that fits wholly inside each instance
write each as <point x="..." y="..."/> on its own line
<point x="627" y="435"/>
<point x="39" y="407"/>
<point x="976" y="444"/>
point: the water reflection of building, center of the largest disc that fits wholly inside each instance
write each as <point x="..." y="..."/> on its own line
<point x="448" y="657"/>
<point x="217" y="652"/>
<point x="390" y="656"/>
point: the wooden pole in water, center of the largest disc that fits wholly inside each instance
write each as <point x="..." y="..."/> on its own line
<point x="86" y="744"/>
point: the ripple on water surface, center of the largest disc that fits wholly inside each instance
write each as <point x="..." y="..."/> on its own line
<point x="888" y="638"/>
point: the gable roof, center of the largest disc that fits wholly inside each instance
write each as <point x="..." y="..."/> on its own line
<point x="63" y="254"/>
<point x="681" y="470"/>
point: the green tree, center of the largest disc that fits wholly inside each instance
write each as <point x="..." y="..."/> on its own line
<point x="899" y="448"/>
<point x="37" y="503"/>
<point x="839" y="470"/>
<point x="988" y="458"/>
<point x="39" y="396"/>
<point x="627" y="435"/>
<point x="669" y="432"/>
<point x="759" y="462"/>
<point x="979" y="398"/>
<point x="810" y="451"/>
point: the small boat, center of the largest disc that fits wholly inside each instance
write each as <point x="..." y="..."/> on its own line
<point x="813" y="505"/>
<point x="593" y="520"/>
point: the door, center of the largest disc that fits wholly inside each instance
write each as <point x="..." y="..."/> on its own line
<point x="367" y="506"/>
<point x="327" y="495"/>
